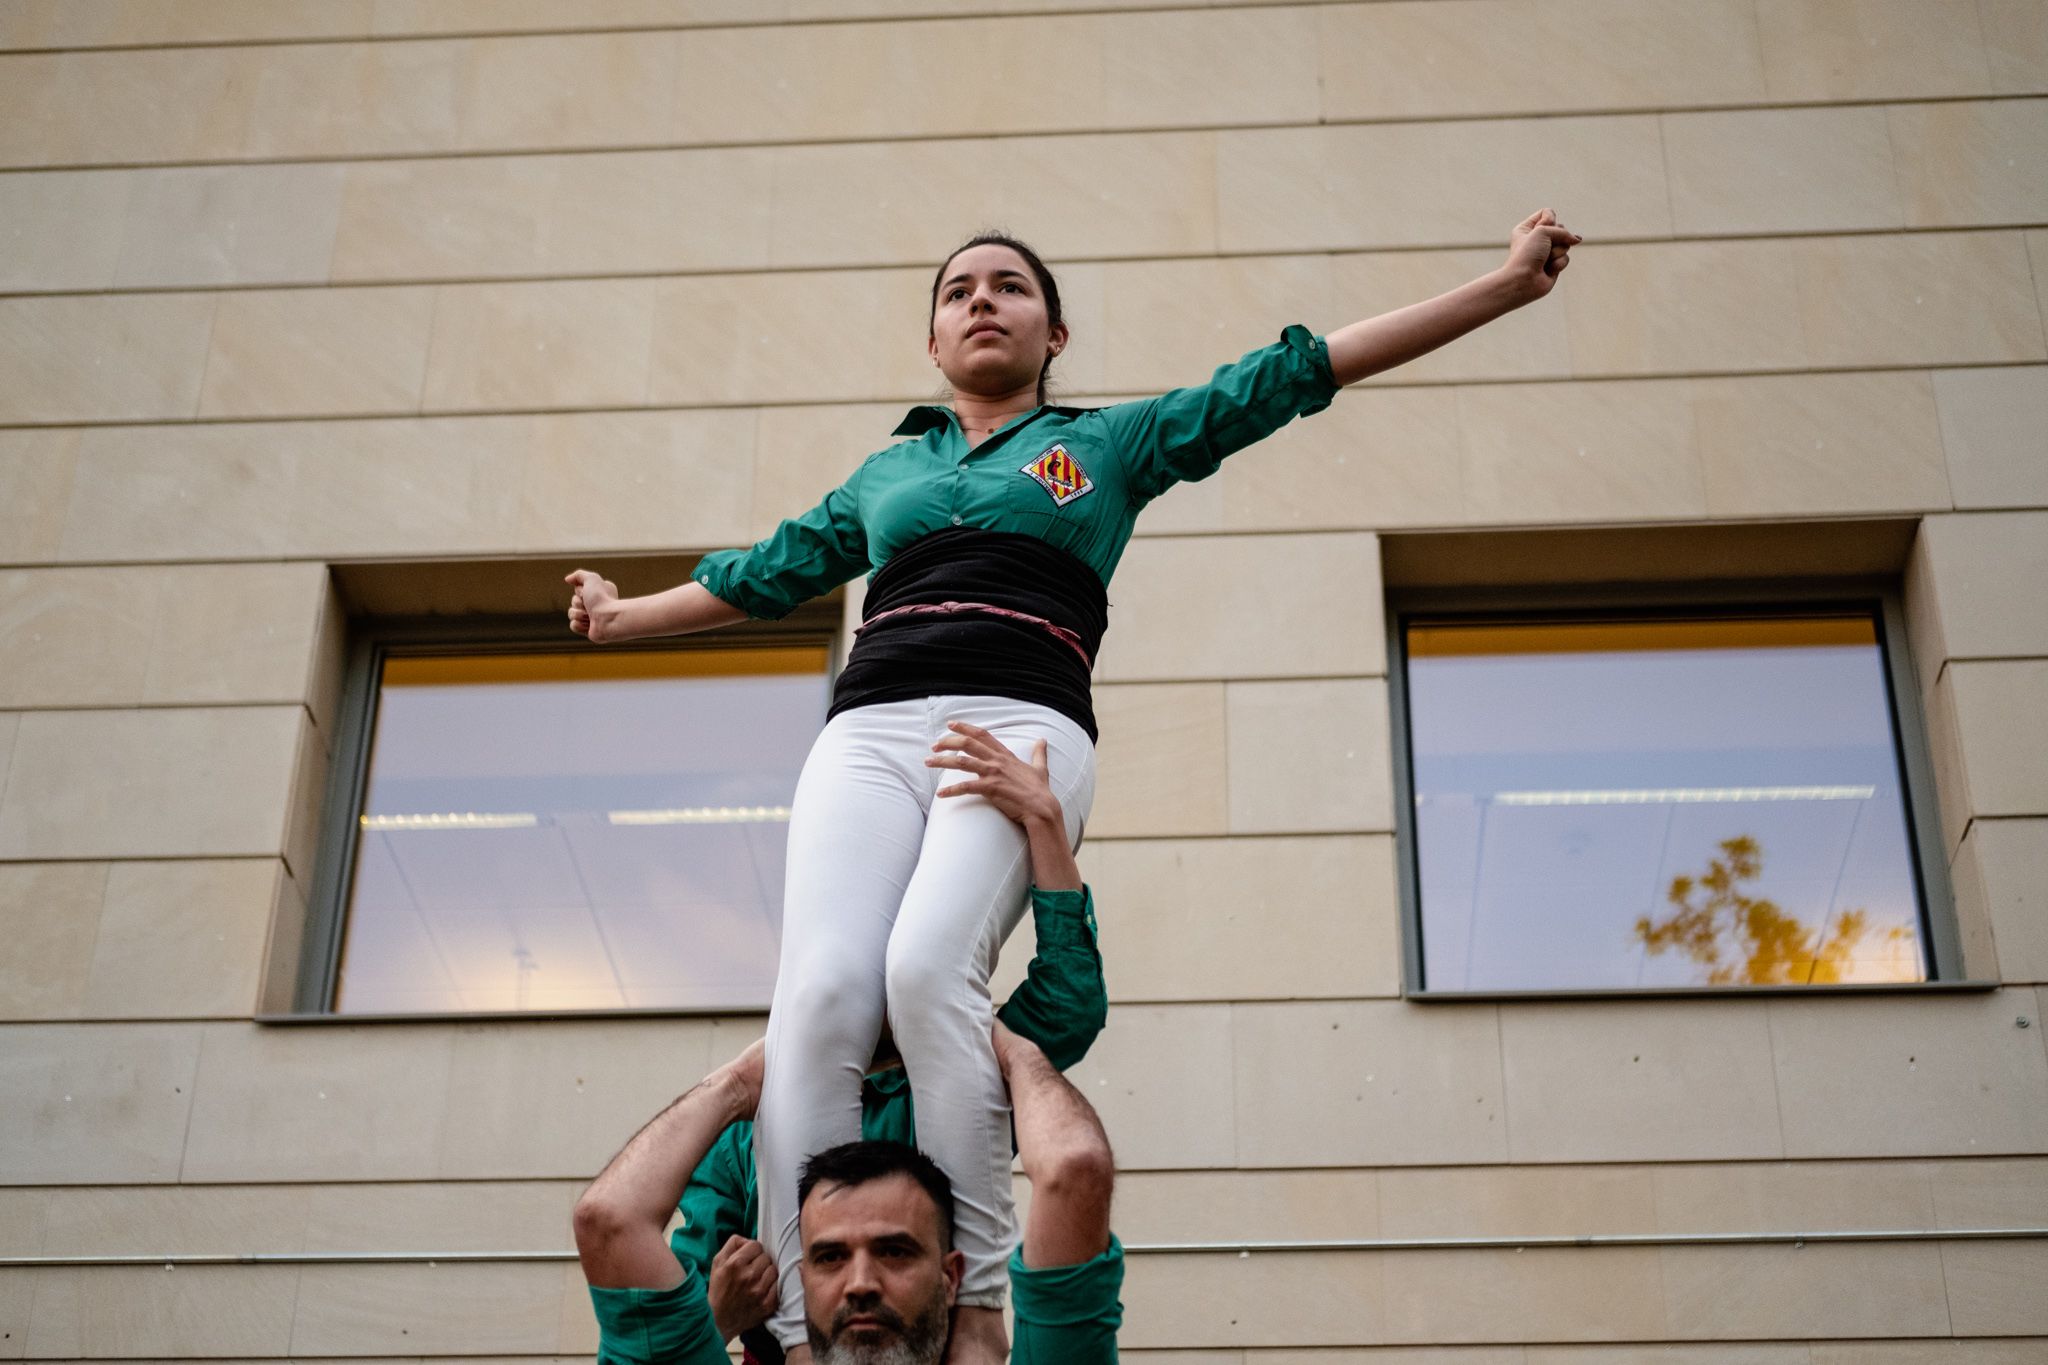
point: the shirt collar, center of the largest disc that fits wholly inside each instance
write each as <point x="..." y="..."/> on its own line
<point x="936" y="417"/>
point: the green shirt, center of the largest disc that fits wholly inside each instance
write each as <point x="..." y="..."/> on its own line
<point x="1066" y="1315"/>
<point x="1073" y="477"/>
<point x="1061" y="1006"/>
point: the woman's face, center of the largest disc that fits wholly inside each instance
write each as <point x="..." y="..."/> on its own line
<point x="990" y="332"/>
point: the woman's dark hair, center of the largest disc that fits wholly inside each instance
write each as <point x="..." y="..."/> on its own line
<point x="856" y="1163"/>
<point x="1046" y="283"/>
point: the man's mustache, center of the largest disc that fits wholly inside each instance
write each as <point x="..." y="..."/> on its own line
<point x="883" y="1316"/>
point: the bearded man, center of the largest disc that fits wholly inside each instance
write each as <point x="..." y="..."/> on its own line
<point x="875" y="1218"/>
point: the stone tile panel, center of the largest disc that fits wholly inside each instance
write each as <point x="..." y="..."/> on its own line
<point x="1509" y="1201"/>
<point x="1908" y="1076"/>
<point x="1828" y="50"/>
<point x="317" y="352"/>
<point x="84" y="1104"/>
<point x="1222" y="607"/>
<point x="2004" y="865"/>
<point x="363" y="1103"/>
<point x="1408" y="60"/>
<point x="229" y="225"/>
<point x="1987" y="576"/>
<point x="1426" y="184"/>
<point x="2001" y="716"/>
<point x="1310" y="757"/>
<point x="372" y="1310"/>
<point x="1223" y="1206"/>
<point x="1161" y="766"/>
<point x="1662" y="1080"/>
<point x="128" y="784"/>
<point x="1823" y="1289"/>
<point x="1971" y="162"/>
<point x="35" y="489"/>
<point x="1994" y="432"/>
<point x="63" y="228"/>
<point x="1990" y="1193"/>
<point x="1241" y="919"/>
<point x="1782" y="170"/>
<point x="1580" y="452"/>
<point x="50" y="920"/>
<point x="1819" y="444"/>
<point x="1161" y="1081"/>
<point x="1372" y="1083"/>
<point x="86" y="1313"/>
<point x="1273" y="1299"/>
<point x="102" y="356"/>
<point x="1794" y="1196"/>
<point x="182" y="939"/>
<point x="176" y="1220"/>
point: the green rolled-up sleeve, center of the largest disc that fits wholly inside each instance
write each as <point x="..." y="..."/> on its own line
<point x="657" y="1326"/>
<point x="1185" y="434"/>
<point x="1068" y="1314"/>
<point x="800" y="559"/>
<point x="1063" y="1001"/>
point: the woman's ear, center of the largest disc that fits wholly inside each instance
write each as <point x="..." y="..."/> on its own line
<point x="1056" y="340"/>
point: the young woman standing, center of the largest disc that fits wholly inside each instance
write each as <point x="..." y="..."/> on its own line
<point x="991" y="532"/>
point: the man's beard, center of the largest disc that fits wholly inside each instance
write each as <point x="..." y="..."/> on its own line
<point x="920" y="1341"/>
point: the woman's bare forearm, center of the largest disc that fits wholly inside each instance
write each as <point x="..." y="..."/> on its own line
<point x="681" y="610"/>
<point x="1380" y="343"/>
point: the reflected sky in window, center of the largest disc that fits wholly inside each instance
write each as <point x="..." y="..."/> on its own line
<point x="1658" y="803"/>
<point x="578" y="831"/>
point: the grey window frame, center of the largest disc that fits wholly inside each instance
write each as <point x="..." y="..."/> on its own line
<point x="1788" y="597"/>
<point x="371" y="641"/>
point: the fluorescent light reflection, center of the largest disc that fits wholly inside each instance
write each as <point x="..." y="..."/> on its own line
<point x="702" y="815"/>
<point x="1661" y="796"/>
<point x="452" y="820"/>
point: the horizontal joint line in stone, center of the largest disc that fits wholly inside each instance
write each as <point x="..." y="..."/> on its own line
<point x="1134" y="130"/>
<point x="886" y="400"/>
<point x="923" y="263"/>
<point x="1049" y="11"/>
<point x="1671" y="1239"/>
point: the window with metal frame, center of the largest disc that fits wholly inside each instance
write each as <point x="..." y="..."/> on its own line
<point x="520" y="824"/>
<point x="1664" y="792"/>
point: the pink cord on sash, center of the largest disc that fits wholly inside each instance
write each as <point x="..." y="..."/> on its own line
<point x="1061" y="633"/>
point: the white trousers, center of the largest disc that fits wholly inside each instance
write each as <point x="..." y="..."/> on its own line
<point x="898" y="899"/>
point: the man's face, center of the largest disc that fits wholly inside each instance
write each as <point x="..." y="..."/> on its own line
<point x="877" y="1287"/>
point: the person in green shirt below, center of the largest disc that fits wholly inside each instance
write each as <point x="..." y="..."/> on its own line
<point x="989" y="532"/>
<point x="716" y="1283"/>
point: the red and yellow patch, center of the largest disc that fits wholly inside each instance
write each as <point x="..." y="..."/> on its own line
<point x="1059" y="474"/>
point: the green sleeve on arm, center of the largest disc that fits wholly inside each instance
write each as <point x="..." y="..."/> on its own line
<point x="1184" y="435"/>
<point x="1063" y="1002"/>
<point x="657" y="1326"/>
<point x="718" y="1202"/>
<point x="1068" y="1314"/>
<point x="800" y="559"/>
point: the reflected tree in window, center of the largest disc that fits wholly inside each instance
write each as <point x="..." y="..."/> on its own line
<point x="1743" y="939"/>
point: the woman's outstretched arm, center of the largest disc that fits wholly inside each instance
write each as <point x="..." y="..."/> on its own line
<point x="1536" y="254"/>
<point x="597" y="612"/>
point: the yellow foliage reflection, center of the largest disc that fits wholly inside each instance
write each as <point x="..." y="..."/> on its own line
<point x="1747" y="940"/>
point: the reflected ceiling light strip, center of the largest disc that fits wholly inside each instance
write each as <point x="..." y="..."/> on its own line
<point x="702" y="815"/>
<point x="453" y="820"/>
<point x="1651" y="796"/>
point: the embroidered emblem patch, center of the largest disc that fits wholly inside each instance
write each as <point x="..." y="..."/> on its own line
<point x="1060" y="475"/>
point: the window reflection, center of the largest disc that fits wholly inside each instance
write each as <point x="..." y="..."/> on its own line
<point x="1659" y="803"/>
<point x="554" y="831"/>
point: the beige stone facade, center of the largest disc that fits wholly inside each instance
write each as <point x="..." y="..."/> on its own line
<point x="288" y="285"/>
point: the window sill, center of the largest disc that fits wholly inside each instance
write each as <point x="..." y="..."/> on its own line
<point x="1705" y="992"/>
